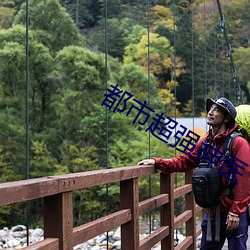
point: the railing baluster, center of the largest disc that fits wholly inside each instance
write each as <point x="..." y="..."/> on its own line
<point x="58" y="219"/>
<point x="167" y="210"/>
<point x="129" y="197"/>
<point x="190" y="205"/>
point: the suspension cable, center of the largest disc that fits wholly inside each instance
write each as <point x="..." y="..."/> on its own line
<point x="148" y="23"/>
<point x="229" y="53"/>
<point x="192" y="24"/>
<point x="107" y="120"/>
<point x="175" y="93"/>
<point x="215" y="53"/>
<point x="205" y="50"/>
<point x="27" y="207"/>
<point x="222" y="68"/>
<point x="149" y="134"/>
<point x="174" y="75"/>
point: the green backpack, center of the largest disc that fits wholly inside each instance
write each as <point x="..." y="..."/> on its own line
<point x="243" y="119"/>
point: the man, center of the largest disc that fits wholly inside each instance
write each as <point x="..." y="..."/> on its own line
<point x="221" y="115"/>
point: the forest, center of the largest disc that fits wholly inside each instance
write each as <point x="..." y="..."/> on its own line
<point x="56" y="69"/>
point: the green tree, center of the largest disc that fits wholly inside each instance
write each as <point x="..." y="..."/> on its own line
<point x="161" y="57"/>
<point x="42" y="163"/>
<point x="117" y="32"/>
<point x="53" y="25"/>
<point x="135" y="81"/>
<point x="12" y="108"/>
<point x="13" y="148"/>
<point x="13" y="60"/>
<point x="84" y="13"/>
<point x="242" y="64"/>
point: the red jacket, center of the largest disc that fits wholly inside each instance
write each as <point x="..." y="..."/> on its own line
<point x="240" y="150"/>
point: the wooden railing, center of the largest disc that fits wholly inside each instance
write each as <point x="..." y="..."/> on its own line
<point x="59" y="232"/>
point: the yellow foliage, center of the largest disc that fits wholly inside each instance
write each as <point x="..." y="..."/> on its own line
<point x="179" y="66"/>
<point x="172" y="84"/>
<point x="161" y="15"/>
<point x="160" y="55"/>
<point x="172" y="111"/>
<point x="166" y="96"/>
<point x="188" y="109"/>
<point x="203" y="114"/>
<point x="6" y="17"/>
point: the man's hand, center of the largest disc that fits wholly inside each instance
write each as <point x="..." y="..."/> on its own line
<point x="232" y="221"/>
<point x="146" y="162"/>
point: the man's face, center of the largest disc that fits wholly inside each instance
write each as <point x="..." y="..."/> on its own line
<point x="215" y="116"/>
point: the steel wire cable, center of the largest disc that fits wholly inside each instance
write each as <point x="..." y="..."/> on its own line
<point x="27" y="204"/>
<point x="230" y="56"/>
<point x="106" y="115"/>
<point x="205" y="48"/>
<point x="149" y="136"/>
<point x="192" y="77"/>
<point x="175" y="93"/>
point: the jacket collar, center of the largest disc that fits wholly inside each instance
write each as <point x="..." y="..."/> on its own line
<point x="219" y="138"/>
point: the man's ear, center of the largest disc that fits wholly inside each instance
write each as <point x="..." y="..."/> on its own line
<point x="228" y="118"/>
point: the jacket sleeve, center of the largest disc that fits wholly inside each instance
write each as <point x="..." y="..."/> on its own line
<point x="240" y="150"/>
<point x="183" y="163"/>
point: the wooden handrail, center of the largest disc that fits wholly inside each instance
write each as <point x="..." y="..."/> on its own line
<point x="58" y="208"/>
<point x="24" y="190"/>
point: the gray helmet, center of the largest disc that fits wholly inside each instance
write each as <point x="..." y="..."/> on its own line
<point x="223" y="103"/>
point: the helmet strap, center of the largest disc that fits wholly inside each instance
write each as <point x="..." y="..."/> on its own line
<point x="212" y="136"/>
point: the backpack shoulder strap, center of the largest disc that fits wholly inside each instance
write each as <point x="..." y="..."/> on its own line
<point x="227" y="147"/>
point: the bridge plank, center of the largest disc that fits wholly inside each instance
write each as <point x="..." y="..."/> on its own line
<point x="154" y="238"/>
<point x="99" y="177"/>
<point x="90" y="230"/>
<point x="24" y="190"/>
<point x="152" y="203"/>
<point x="187" y="242"/>
<point x="182" y="218"/>
<point x="46" y="244"/>
<point x="185" y="189"/>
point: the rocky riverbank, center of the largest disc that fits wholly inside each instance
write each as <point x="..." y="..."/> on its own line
<point x="16" y="238"/>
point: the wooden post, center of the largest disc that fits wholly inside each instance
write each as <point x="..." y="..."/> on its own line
<point x="58" y="219"/>
<point x="129" y="198"/>
<point x="190" y="205"/>
<point x="167" y="210"/>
